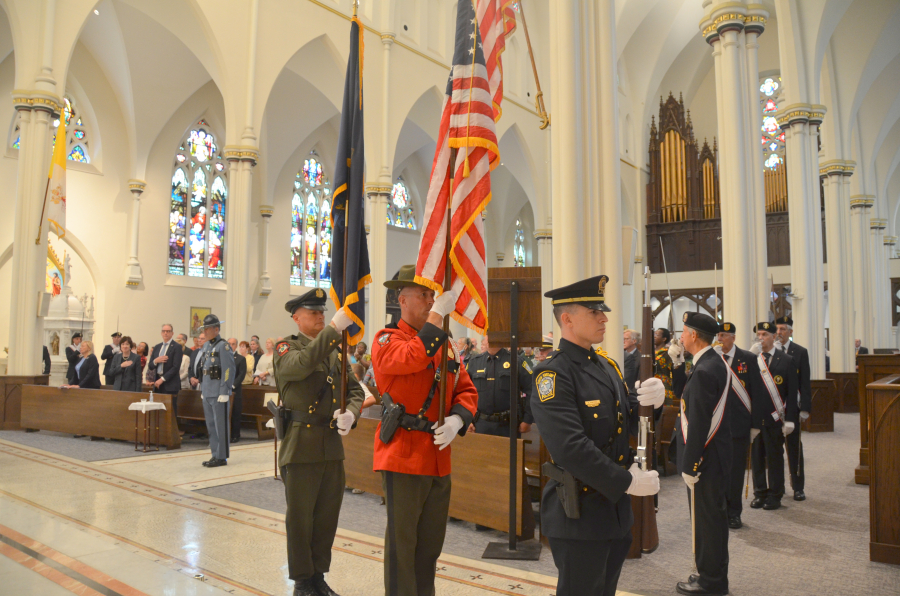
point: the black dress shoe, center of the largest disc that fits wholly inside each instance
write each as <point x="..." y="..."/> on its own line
<point x="208" y="462"/>
<point x="799" y="495"/>
<point x="693" y="578"/>
<point x="235" y="439"/>
<point x="215" y="463"/>
<point x="757" y="503"/>
<point x="694" y="588"/>
<point x="734" y="522"/>
<point x="772" y="503"/>
<point x="305" y="588"/>
<point x="318" y="580"/>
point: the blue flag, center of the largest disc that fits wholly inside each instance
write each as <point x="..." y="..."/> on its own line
<point x="349" y="278"/>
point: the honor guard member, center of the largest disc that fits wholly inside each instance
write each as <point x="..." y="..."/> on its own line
<point x="541" y="353"/>
<point x="311" y="453"/>
<point x="773" y="416"/>
<point x="704" y="454"/>
<point x="490" y="371"/>
<point x="794" y="446"/>
<point x="410" y="448"/>
<point x="581" y="407"/>
<point x="215" y="368"/>
<point x="746" y="387"/>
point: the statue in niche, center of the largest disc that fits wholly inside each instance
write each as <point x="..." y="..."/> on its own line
<point x="54" y="345"/>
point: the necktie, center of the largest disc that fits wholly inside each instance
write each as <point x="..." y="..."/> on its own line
<point x="162" y="352"/>
<point x="767" y="356"/>
<point x="728" y="360"/>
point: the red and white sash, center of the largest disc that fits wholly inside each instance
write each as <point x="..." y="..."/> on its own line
<point x="739" y="388"/>
<point x="718" y="412"/>
<point x="771" y="387"/>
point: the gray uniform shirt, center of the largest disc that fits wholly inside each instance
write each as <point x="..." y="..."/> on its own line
<point x="217" y="351"/>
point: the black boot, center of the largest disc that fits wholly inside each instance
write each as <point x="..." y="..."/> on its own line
<point x="318" y="580"/>
<point x="305" y="587"/>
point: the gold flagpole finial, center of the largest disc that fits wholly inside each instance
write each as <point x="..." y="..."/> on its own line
<point x="355" y="7"/>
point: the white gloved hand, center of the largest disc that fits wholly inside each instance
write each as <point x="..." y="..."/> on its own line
<point x="341" y="320"/>
<point x="643" y="484"/>
<point x="223" y="399"/>
<point x="787" y="428"/>
<point x="778" y="345"/>
<point x="718" y="349"/>
<point x="651" y="392"/>
<point x="754" y="432"/>
<point x="690" y="480"/>
<point x="756" y="348"/>
<point x="445" y="434"/>
<point x="804" y="416"/>
<point x="344" y="421"/>
<point x="676" y="353"/>
<point x="445" y="303"/>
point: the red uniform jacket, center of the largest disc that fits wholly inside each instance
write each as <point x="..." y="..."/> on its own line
<point x="405" y="361"/>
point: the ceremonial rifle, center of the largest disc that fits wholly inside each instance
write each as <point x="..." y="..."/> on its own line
<point x="646" y="436"/>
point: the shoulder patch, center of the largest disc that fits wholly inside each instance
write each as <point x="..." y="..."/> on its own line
<point x="526" y="366"/>
<point x="384" y="338"/>
<point x="546" y="385"/>
<point x="282" y="347"/>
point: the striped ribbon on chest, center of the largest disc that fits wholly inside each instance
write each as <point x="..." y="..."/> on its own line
<point x="739" y="388"/>
<point x="771" y="387"/>
<point x="718" y="412"/>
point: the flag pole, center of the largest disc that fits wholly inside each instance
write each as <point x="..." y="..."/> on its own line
<point x="43" y="208"/>
<point x="539" y="98"/>
<point x="445" y="355"/>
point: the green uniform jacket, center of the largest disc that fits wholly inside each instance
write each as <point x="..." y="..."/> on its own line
<point x="302" y="366"/>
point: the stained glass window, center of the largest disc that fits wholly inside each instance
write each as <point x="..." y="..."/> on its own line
<point x="197" y="210"/>
<point x="400" y="211"/>
<point x="519" y="246"/>
<point x="311" y="226"/>
<point x="770" y="95"/>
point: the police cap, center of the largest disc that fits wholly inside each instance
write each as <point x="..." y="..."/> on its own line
<point x="700" y="322"/>
<point x="766" y="326"/>
<point x="727" y="328"/>
<point x="312" y="300"/>
<point x="588" y="293"/>
<point x="116" y="334"/>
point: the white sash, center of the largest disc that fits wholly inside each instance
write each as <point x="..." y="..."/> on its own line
<point x="718" y="412"/>
<point x="739" y="388"/>
<point x="771" y="387"/>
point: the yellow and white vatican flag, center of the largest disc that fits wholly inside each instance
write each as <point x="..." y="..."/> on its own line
<point x="55" y="199"/>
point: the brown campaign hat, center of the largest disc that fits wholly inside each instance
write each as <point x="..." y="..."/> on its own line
<point x="406" y="277"/>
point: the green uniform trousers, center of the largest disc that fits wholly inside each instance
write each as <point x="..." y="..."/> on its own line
<point x="417" y="509"/>
<point x="313" y="493"/>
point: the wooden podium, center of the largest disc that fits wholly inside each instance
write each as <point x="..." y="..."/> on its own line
<point x="871" y="367"/>
<point x="883" y="406"/>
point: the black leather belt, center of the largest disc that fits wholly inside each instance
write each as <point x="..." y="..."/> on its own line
<point x="308" y="418"/>
<point x="422" y="424"/>
<point x="495" y="417"/>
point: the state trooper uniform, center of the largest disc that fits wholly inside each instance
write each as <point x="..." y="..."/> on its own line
<point x="491" y="376"/>
<point x="581" y="407"/>
<point x="215" y="368"/>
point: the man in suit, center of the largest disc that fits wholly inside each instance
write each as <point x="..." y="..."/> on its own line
<point x="73" y="355"/>
<point x="241" y="364"/>
<point x="746" y="387"/>
<point x="632" y="340"/>
<point x="704" y="454"/>
<point x="860" y="349"/>
<point x="792" y="441"/>
<point x="166" y="358"/>
<point x="772" y="413"/>
<point x="109" y="352"/>
<point x="201" y="339"/>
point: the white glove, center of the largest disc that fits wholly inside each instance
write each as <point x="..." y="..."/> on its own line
<point x="690" y="480"/>
<point x="756" y="348"/>
<point x="718" y="349"/>
<point x="341" y="320"/>
<point x="445" y="303"/>
<point x="643" y="484"/>
<point x="651" y="392"/>
<point x="223" y="399"/>
<point x="804" y="416"/>
<point x="787" y="428"/>
<point x="754" y="432"/>
<point x="344" y="421"/>
<point x="778" y="344"/>
<point x="676" y="353"/>
<point x="445" y="434"/>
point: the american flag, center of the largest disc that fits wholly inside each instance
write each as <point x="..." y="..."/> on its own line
<point x="467" y="124"/>
<point x="496" y="21"/>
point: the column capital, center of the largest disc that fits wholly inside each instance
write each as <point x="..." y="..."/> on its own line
<point x="836" y="167"/>
<point x="756" y="18"/>
<point x="861" y="201"/>
<point x="543" y="235"/>
<point x="501" y="256"/>
<point x="890" y="240"/>
<point x="387" y="38"/>
<point x="241" y="153"/>
<point x="877" y="224"/>
<point x="137" y="187"/>
<point x="800" y="113"/>
<point x="37" y="100"/>
<point x="266" y="211"/>
<point x="378" y="189"/>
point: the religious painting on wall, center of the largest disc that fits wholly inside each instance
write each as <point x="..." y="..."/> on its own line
<point x="55" y="277"/>
<point x="198" y="313"/>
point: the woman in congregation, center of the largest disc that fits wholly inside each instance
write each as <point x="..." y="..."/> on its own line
<point x="265" y="368"/>
<point x="125" y="369"/>
<point x="87" y="371"/>
<point x="185" y="371"/>
<point x="244" y="350"/>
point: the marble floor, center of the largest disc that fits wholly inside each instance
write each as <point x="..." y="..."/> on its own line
<point x="133" y="527"/>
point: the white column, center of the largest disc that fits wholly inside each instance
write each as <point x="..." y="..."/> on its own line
<point x="241" y="160"/>
<point x="266" y="211"/>
<point x="880" y="287"/>
<point x="379" y="196"/>
<point x="800" y="123"/>
<point x="133" y="274"/>
<point x="837" y="235"/>
<point x="35" y="112"/>
<point x="859" y="268"/>
<point x="544" y="240"/>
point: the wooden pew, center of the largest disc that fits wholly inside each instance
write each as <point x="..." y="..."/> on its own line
<point x="11" y="398"/>
<point x="94" y="412"/>
<point x="883" y="405"/>
<point x="846" y="396"/>
<point x="821" y="418"/>
<point x="871" y="367"/>
<point x="480" y="477"/>
<point x="190" y="407"/>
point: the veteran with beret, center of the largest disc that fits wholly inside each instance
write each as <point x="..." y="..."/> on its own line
<point x="311" y="455"/>
<point x="785" y="328"/>
<point x="704" y="454"/>
<point x="581" y="407"/>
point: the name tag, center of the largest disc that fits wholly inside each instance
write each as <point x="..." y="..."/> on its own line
<point x="593" y="403"/>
